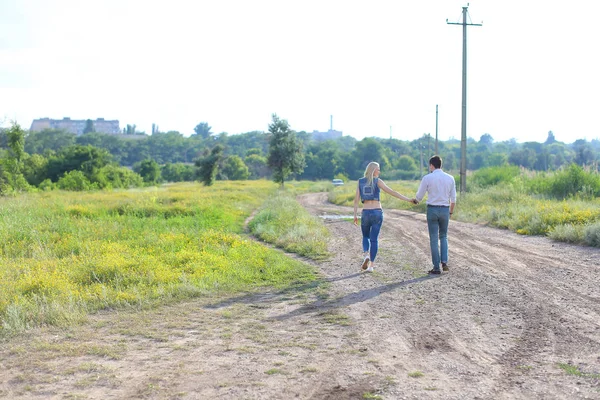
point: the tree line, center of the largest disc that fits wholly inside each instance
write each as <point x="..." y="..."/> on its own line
<point x="56" y="158"/>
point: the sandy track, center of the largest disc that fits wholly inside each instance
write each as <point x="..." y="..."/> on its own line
<point x="496" y="326"/>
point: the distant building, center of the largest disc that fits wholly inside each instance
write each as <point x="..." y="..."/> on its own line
<point x="330" y="134"/>
<point x="76" y="126"/>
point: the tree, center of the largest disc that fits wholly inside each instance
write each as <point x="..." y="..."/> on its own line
<point x="149" y="170"/>
<point x="525" y="157"/>
<point x="16" y="141"/>
<point x="257" y="166"/>
<point x="48" y="139"/>
<point x="235" y="169"/>
<point x="497" y="159"/>
<point x="285" y="150"/>
<point x="35" y="169"/>
<point x="584" y="153"/>
<point x="367" y="150"/>
<point x="551" y="139"/>
<point x="203" y="130"/>
<point x="406" y="163"/>
<point x="11" y="175"/>
<point x="208" y="165"/>
<point x="486" y="139"/>
<point x="89" y="126"/>
<point x="129" y="130"/>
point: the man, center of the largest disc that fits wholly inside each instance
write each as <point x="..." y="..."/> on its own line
<point x="441" y="200"/>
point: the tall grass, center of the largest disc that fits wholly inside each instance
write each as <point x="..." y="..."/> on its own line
<point x="562" y="205"/>
<point x="285" y="223"/>
<point x="65" y="254"/>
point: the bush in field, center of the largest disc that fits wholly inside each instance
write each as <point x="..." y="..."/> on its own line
<point x="495" y="175"/>
<point x="208" y="165"/>
<point x="235" y="169"/>
<point x="35" y="169"/>
<point x="149" y="170"/>
<point x="46" y="185"/>
<point x="177" y="172"/>
<point x="82" y="158"/>
<point x="575" y="181"/>
<point x="74" y="180"/>
<point x="591" y="234"/>
<point x="114" y="176"/>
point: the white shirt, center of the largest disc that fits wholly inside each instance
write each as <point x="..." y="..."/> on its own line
<point x="440" y="187"/>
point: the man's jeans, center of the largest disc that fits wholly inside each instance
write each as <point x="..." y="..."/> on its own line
<point x="370" y="224"/>
<point x="437" y="222"/>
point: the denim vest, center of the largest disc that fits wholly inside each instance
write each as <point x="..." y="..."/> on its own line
<point x="368" y="192"/>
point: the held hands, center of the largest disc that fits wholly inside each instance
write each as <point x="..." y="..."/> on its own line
<point x="414" y="201"/>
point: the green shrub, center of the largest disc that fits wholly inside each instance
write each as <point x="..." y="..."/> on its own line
<point x="591" y="234"/>
<point x="495" y="175"/>
<point x="46" y="185"/>
<point x="285" y="223"/>
<point x="74" y="180"/>
<point x="114" y="176"/>
<point x="567" y="233"/>
<point x="573" y="181"/>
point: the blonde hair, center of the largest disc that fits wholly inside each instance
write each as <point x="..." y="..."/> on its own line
<point x="369" y="171"/>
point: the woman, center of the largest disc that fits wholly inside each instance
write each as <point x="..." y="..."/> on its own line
<point x="367" y="191"/>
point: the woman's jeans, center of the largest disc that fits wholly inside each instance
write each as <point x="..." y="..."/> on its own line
<point x="370" y="224"/>
<point x="437" y="222"/>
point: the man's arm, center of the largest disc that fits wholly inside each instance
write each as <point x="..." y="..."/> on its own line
<point x="452" y="196"/>
<point x="422" y="189"/>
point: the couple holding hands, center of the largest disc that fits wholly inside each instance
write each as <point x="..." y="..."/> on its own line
<point x="441" y="199"/>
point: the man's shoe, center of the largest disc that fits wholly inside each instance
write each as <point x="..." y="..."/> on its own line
<point x="365" y="263"/>
<point x="445" y="267"/>
<point x="434" y="272"/>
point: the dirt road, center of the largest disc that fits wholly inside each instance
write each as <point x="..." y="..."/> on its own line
<point x="510" y="320"/>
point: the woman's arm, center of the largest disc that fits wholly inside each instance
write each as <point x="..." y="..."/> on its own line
<point x="387" y="189"/>
<point x="356" y="199"/>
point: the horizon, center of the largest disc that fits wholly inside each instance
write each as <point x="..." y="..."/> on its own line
<point x="307" y="132"/>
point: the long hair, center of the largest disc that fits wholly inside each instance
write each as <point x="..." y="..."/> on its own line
<point x="369" y="171"/>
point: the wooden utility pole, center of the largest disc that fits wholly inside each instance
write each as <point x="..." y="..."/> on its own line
<point x="421" y="160"/>
<point x="463" y="130"/>
<point x="436" y="130"/>
<point x="428" y="146"/>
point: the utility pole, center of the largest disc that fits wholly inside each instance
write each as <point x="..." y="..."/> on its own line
<point x="428" y="146"/>
<point x="436" y="130"/>
<point x="390" y="131"/>
<point x="421" y="160"/>
<point x="463" y="130"/>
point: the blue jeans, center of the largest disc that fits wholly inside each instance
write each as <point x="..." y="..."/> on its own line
<point x="437" y="223"/>
<point x="370" y="224"/>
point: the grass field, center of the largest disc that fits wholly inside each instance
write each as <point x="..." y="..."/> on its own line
<point x="64" y="254"/>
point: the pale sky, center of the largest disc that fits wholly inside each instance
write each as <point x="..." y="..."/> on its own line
<point x="532" y="67"/>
